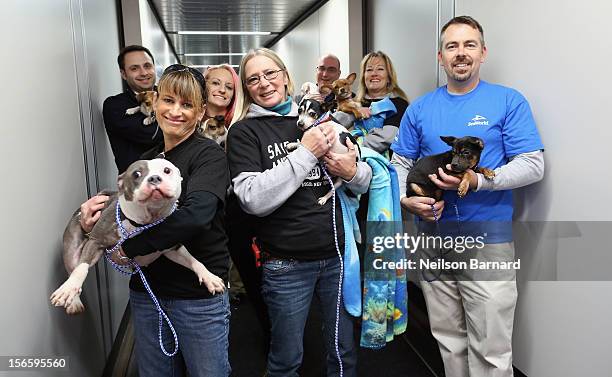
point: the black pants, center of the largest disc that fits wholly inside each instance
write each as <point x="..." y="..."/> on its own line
<point x="241" y="228"/>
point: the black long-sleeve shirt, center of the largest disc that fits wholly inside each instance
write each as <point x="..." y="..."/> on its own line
<point x="128" y="136"/>
<point x="197" y="224"/>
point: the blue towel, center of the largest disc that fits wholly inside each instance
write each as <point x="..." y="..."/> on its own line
<point x="351" y="283"/>
<point x="380" y="110"/>
<point x="385" y="295"/>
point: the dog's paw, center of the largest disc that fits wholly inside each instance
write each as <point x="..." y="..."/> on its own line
<point x="292" y="146"/>
<point x="213" y="283"/>
<point x="363" y="113"/>
<point x="488" y="173"/>
<point x="149" y="120"/>
<point x="76" y="306"/>
<point x="65" y="294"/>
<point x="322" y="200"/>
<point x="462" y="191"/>
<point x="132" y="111"/>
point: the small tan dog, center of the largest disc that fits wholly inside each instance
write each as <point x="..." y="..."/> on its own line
<point x="344" y="96"/>
<point x="146" y="106"/>
<point x="214" y="129"/>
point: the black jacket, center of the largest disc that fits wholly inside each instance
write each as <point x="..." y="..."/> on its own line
<point x="129" y="138"/>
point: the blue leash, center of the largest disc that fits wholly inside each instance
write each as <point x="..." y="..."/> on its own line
<point x="437" y="220"/>
<point x="322" y="118"/>
<point x="136" y="269"/>
<point x="336" y="341"/>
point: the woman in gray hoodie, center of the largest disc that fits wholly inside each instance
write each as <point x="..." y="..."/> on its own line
<point x="301" y="247"/>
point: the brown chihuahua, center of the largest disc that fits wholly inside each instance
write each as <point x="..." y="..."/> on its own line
<point x="146" y="106"/>
<point x="344" y="96"/>
<point x="214" y="129"/>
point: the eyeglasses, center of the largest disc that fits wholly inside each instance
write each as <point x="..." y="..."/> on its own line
<point x="323" y="68"/>
<point x="194" y="72"/>
<point x="269" y="75"/>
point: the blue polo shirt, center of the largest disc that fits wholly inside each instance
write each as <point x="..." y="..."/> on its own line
<point x="500" y="116"/>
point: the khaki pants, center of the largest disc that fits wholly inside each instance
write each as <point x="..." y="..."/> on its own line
<point x="473" y="320"/>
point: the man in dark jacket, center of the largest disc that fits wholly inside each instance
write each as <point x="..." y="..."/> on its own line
<point x="128" y="136"/>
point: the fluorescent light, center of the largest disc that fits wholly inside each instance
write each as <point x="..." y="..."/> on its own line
<point x="209" y="65"/>
<point x="182" y="32"/>
<point x="217" y="54"/>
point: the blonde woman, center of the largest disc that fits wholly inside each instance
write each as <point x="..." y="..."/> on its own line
<point x="223" y="88"/>
<point x="295" y="234"/>
<point x="377" y="81"/>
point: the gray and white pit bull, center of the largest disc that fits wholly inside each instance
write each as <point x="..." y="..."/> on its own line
<point x="147" y="192"/>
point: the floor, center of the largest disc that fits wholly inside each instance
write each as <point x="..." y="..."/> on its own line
<point x="248" y="360"/>
<point x="247" y="351"/>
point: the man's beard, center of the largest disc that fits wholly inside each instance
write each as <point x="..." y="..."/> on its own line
<point x="465" y="76"/>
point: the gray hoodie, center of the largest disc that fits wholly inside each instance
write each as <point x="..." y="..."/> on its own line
<point x="261" y="193"/>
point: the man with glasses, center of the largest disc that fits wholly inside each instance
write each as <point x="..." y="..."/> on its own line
<point x="128" y="136"/>
<point x="328" y="70"/>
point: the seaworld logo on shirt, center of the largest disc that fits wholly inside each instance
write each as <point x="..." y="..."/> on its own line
<point x="478" y="120"/>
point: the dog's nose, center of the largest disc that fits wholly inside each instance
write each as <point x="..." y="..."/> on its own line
<point x="455" y="167"/>
<point x="155" y="180"/>
<point x="300" y="123"/>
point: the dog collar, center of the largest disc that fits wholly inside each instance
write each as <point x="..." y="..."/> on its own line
<point x="139" y="228"/>
<point x="322" y="119"/>
<point x="122" y="217"/>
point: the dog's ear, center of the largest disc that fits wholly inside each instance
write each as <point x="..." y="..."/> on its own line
<point x="476" y="142"/>
<point x="328" y="105"/>
<point x="350" y="78"/>
<point x="305" y="88"/>
<point x="121" y="186"/>
<point x="120" y="181"/>
<point x="204" y="125"/>
<point x="450" y="140"/>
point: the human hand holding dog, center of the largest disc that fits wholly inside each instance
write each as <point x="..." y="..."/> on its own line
<point x="91" y="211"/>
<point x="319" y="139"/>
<point x="120" y="258"/>
<point x="449" y="182"/>
<point x="365" y="112"/>
<point x="421" y="206"/>
<point x="342" y="164"/>
<point x="315" y="96"/>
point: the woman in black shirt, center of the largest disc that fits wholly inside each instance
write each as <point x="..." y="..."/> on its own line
<point x="200" y="318"/>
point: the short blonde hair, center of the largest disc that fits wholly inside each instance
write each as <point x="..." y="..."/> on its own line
<point x="244" y="100"/>
<point x="392" y="85"/>
<point x="184" y="85"/>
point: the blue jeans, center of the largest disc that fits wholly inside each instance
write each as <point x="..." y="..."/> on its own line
<point x="288" y="286"/>
<point x="202" y="327"/>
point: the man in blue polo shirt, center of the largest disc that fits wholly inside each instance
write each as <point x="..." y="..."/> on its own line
<point x="471" y="316"/>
